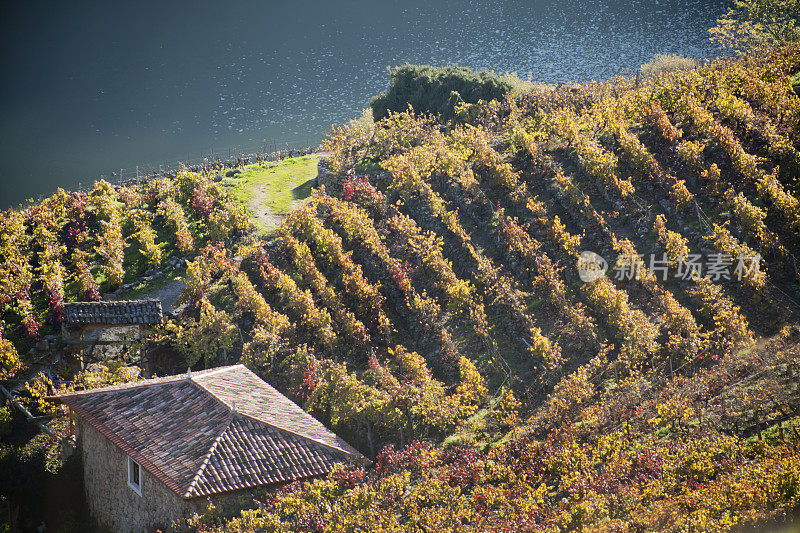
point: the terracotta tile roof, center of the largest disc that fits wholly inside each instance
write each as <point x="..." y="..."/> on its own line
<point x="219" y="430"/>
<point x="114" y="312"/>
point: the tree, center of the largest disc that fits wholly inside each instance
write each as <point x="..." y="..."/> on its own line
<point x="22" y="478"/>
<point x="752" y="23"/>
<point x="205" y="338"/>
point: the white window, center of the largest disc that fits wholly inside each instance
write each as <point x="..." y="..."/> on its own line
<point x="135" y="476"/>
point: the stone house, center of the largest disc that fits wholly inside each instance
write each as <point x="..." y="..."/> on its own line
<point x="104" y="327"/>
<point x="157" y="451"/>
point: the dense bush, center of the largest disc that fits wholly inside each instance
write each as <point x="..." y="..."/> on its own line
<point x="430" y="89"/>
<point x="750" y="23"/>
<point x="662" y="63"/>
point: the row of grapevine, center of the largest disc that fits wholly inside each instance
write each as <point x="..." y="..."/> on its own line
<point x="366" y="298"/>
<point x="425" y="248"/>
<point x="345" y="321"/>
<point x="426" y="161"/>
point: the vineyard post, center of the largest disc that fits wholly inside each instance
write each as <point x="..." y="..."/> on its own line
<point x="369" y="439"/>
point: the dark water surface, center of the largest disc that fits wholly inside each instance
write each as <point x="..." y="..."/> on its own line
<point x="91" y="87"/>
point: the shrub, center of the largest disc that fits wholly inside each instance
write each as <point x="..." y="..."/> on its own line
<point x="662" y="63"/>
<point x="430" y="89"/>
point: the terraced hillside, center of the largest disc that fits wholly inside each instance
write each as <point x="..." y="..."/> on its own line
<point x="469" y="244"/>
<point x="443" y="299"/>
<point x="438" y="306"/>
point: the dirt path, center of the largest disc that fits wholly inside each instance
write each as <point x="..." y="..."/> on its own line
<point x="283" y="187"/>
<point x="168" y="294"/>
<point x="258" y="206"/>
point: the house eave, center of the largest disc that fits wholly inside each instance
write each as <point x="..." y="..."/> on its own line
<point x="122" y="445"/>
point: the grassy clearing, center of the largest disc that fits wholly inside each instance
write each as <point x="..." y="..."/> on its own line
<point x="274" y="186"/>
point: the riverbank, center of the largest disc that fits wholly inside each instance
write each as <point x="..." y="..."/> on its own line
<point x="236" y="89"/>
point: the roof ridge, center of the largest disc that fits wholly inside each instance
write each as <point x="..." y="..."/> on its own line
<point x="205" y="390"/>
<point x="312" y="439"/>
<point x="212" y="371"/>
<point x="272" y="424"/>
<point x="209" y="391"/>
<point x="245" y="424"/>
<point x="309" y="415"/>
<point x="207" y="457"/>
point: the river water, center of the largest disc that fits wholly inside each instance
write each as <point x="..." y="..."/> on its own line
<point x="89" y="88"/>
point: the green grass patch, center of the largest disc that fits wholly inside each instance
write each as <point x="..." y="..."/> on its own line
<point x="276" y="184"/>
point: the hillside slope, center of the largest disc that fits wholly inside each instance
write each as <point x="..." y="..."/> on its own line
<point x="442" y="300"/>
<point x="444" y="297"/>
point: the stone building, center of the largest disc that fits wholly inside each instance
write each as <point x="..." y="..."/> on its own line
<point x="103" y="328"/>
<point x="157" y="451"/>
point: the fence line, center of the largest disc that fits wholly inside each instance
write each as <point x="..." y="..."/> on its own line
<point x="213" y="161"/>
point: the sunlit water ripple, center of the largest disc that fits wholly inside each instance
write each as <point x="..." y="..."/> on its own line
<point x="93" y="88"/>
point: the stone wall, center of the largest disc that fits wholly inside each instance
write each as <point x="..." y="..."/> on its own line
<point x="112" y="339"/>
<point x="119" y="508"/>
<point x="112" y="502"/>
<point x="120" y="334"/>
<point x="333" y="180"/>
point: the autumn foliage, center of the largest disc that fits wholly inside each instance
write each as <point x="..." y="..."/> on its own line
<point x="434" y="313"/>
